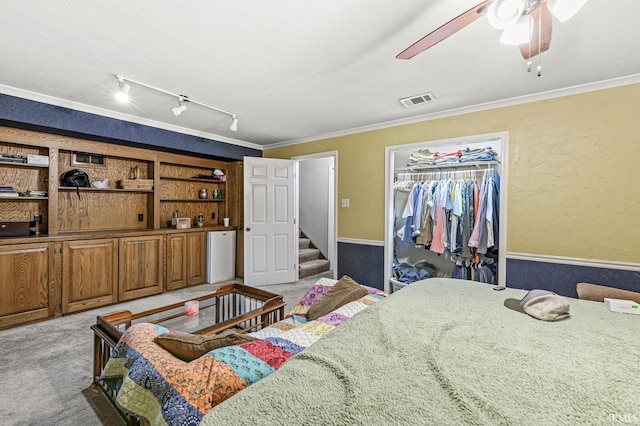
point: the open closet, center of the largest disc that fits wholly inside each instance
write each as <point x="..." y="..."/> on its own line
<point x="446" y="210"/>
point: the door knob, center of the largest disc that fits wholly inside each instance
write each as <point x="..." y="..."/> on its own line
<point x="248" y="229"/>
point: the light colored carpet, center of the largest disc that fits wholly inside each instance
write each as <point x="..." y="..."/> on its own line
<point x="46" y="368"/>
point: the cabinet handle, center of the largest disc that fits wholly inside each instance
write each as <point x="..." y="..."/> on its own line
<point x="248" y="229"/>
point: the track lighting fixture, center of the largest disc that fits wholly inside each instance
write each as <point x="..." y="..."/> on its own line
<point x="234" y="123"/>
<point x="182" y="99"/>
<point x="122" y="94"/>
<point x="182" y="107"/>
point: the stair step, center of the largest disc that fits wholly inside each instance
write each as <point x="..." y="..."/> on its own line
<point x="313" y="267"/>
<point x="303" y="243"/>
<point x="305" y="255"/>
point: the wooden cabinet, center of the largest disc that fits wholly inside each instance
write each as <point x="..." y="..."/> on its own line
<point x="196" y="257"/>
<point x="176" y="261"/>
<point x="186" y="257"/>
<point x="140" y="266"/>
<point x="27" y="277"/>
<point x="89" y="274"/>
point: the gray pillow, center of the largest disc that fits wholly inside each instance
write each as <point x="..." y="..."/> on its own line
<point x="188" y="347"/>
<point x="344" y="291"/>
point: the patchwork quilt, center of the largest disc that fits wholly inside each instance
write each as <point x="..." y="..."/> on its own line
<point x="154" y="385"/>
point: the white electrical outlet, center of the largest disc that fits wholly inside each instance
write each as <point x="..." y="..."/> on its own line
<point x="345" y="202"/>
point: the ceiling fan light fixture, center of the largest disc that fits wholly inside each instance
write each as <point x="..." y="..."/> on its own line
<point x="519" y="33"/>
<point x="505" y="13"/>
<point x="564" y="10"/>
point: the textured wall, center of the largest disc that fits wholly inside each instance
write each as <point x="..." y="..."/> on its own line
<point x="574" y="172"/>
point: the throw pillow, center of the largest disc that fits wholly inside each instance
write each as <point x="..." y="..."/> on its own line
<point x="344" y="291"/>
<point x="188" y="347"/>
<point x="597" y="293"/>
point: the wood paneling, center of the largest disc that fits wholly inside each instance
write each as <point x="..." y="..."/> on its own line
<point x="96" y="210"/>
<point x="89" y="274"/>
<point x="26" y="274"/>
<point x="140" y="266"/>
<point x="235" y="203"/>
<point x="176" y="261"/>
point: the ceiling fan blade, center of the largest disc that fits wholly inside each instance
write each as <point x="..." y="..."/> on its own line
<point x="541" y="36"/>
<point x="448" y="29"/>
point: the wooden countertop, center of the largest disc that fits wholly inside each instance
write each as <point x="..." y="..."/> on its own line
<point x="90" y="235"/>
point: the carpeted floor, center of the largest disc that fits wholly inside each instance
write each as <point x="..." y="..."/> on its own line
<point x="46" y="368"/>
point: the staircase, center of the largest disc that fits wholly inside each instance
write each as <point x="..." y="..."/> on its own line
<point x="311" y="261"/>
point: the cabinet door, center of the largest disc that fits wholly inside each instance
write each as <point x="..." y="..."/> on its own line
<point x="196" y="253"/>
<point x="28" y="278"/>
<point x="89" y="274"/>
<point x="176" y="261"/>
<point x="140" y="266"/>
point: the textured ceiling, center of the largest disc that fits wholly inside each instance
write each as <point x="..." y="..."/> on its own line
<point x="291" y="69"/>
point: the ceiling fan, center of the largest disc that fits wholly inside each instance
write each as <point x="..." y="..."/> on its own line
<point x="526" y="23"/>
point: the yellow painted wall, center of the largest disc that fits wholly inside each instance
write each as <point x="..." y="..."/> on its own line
<point x="573" y="178"/>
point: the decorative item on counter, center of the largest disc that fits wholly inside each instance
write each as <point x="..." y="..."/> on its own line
<point x="226" y="221"/>
<point x="203" y="194"/>
<point x="174" y="219"/>
<point x="183" y="223"/>
<point x="38" y="220"/>
<point x="200" y="220"/>
<point x="191" y="308"/>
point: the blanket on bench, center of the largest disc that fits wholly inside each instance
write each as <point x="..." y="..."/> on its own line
<point x="154" y="385"/>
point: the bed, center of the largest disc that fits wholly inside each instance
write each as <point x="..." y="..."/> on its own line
<point x="444" y="351"/>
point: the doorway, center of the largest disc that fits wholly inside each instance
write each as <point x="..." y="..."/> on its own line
<point x="316" y="197"/>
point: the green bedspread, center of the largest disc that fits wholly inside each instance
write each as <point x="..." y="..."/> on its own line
<point x="447" y="351"/>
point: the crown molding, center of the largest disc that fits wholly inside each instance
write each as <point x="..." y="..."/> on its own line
<point x="557" y="93"/>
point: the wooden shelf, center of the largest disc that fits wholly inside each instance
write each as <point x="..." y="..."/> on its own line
<point x="192" y="179"/>
<point x="197" y="200"/>
<point x="27" y="165"/>
<point x="23" y="198"/>
<point x="73" y="188"/>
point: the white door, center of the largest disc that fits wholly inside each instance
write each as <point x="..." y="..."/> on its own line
<point x="271" y="231"/>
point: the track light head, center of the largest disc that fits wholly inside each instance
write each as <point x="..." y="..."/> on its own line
<point x="122" y="95"/>
<point x="234" y="123"/>
<point x="182" y="107"/>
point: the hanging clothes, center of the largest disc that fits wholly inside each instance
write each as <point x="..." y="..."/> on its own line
<point x="454" y="216"/>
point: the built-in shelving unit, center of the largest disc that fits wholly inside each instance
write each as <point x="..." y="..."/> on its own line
<point x="98" y="246"/>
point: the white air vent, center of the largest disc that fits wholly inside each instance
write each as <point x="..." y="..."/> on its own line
<point x="417" y="99"/>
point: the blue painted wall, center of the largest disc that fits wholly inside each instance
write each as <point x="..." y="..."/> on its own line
<point x="363" y="263"/>
<point x="562" y="278"/>
<point x="38" y="116"/>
